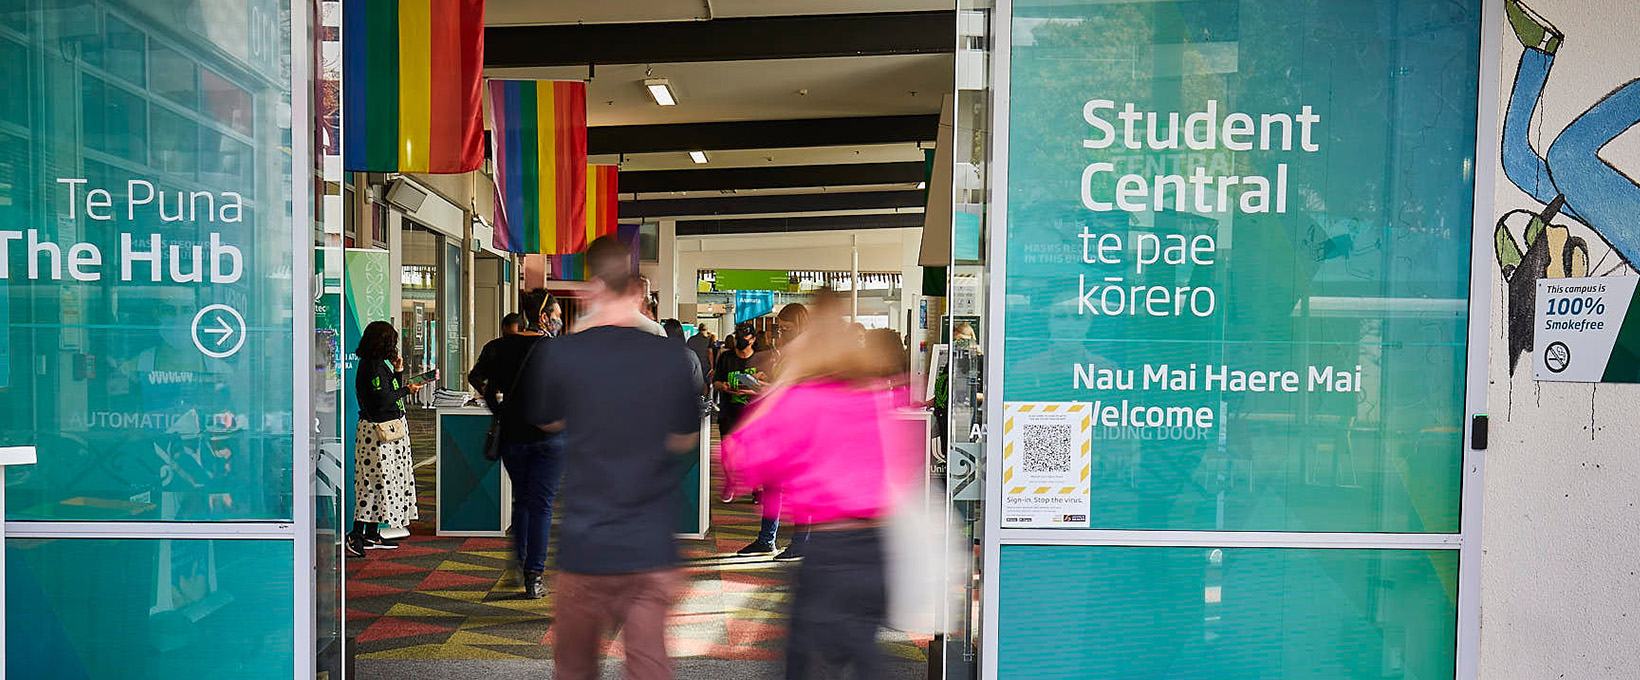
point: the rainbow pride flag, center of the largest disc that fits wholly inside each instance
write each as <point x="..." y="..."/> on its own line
<point x="539" y="133"/>
<point x="572" y="267"/>
<point x="414" y="73"/>
<point x="603" y="206"/>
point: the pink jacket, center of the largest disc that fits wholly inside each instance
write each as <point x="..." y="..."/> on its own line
<point x="829" y="450"/>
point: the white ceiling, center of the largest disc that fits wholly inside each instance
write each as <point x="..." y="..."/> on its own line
<point x="731" y="91"/>
<point x="796" y="191"/>
<point x="526" y="12"/>
<point x="760" y="90"/>
<point x="875" y="153"/>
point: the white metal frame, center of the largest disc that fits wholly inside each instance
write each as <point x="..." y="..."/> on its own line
<point x="1467" y="542"/>
<point x="504" y="503"/>
<point x="305" y="530"/>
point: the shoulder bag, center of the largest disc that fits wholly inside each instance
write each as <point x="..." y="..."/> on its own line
<point x="492" y="437"/>
<point x="390" y="431"/>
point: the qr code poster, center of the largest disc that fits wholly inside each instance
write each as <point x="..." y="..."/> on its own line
<point x="1046" y="456"/>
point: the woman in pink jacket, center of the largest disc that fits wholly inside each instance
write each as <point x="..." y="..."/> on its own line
<point x="825" y="440"/>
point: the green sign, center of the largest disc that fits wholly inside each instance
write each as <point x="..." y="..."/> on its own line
<point x="1246" y="259"/>
<point x="753" y="279"/>
<point x="153" y="242"/>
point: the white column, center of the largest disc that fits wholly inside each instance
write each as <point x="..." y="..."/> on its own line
<point x="667" y="273"/>
<point x="854" y="269"/>
<point x="11" y="455"/>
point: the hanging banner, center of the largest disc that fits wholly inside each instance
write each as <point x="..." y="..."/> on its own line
<point x="539" y="138"/>
<point x="416" y="74"/>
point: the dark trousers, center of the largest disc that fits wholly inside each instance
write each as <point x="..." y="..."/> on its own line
<point x="841" y="601"/>
<point x="534" y="469"/>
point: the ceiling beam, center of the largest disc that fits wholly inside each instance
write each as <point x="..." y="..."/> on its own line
<point x="786" y="37"/>
<point x="779" y="177"/>
<point x="775" y="225"/>
<point x="762" y="205"/>
<point x="761" y="134"/>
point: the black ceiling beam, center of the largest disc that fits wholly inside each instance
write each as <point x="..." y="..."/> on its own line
<point x="779" y="177"/>
<point x="793" y="37"/>
<point x="759" y="205"/>
<point x="761" y="134"/>
<point x="776" y="225"/>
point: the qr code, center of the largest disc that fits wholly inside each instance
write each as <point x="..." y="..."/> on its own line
<point x="1048" y="448"/>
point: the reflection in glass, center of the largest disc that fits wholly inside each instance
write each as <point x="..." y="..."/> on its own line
<point x="169" y="609"/>
<point x="175" y="76"/>
<point x="115" y="120"/>
<point x="176" y="143"/>
<point x="14" y="82"/>
<point x="121" y="53"/>
<point x="132" y="419"/>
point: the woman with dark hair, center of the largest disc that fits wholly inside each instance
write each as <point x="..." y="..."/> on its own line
<point x="384" y="486"/>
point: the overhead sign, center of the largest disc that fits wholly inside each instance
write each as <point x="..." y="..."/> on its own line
<point x="1587" y="330"/>
<point x="753" y="279"/>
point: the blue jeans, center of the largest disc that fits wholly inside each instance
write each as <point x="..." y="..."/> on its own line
<point x="771" y="521"/>
<point x="535" y="469"/>
<point x="1597" y="194"/>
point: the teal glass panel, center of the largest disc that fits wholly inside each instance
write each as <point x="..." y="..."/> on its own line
<point x="14" y="78"/>
<point x="176" y="76"/>
<point x="141" y="609"/>
<point x="469" y="486"/>
<point x="1227" y="614"/>
<point x="122" y="51"/>
<point x="147" y="260"/>
<point x="1284" y="212"/>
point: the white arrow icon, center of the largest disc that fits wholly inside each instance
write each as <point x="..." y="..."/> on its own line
<point x="222" y="329"/>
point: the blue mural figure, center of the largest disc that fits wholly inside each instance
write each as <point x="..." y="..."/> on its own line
<point x="1570" y="179"/>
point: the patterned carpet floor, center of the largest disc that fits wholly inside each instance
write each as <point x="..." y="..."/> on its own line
<point x="459" y="598"/>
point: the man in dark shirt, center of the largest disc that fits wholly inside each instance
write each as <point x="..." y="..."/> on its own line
<point x="533" y="458"/>
<point x="627" y="402"/>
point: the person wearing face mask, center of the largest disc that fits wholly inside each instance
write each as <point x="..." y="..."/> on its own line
<point x="731" y="378"/>
<point x="532" y="458"/>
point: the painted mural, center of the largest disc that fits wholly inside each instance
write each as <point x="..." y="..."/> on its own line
<point x="1580" y="213"/>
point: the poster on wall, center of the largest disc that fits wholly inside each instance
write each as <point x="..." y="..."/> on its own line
<point x="1250" y="257"/>
<point x="1045" y="464"/>
<point x="1589" y="329"/>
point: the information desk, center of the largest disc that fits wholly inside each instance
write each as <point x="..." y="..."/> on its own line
<point x="475" y="496"/>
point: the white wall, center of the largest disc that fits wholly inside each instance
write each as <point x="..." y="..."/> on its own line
<point x="1561" y="571"/>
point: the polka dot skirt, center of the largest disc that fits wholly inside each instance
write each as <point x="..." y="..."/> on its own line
<point x="384" y="484"/>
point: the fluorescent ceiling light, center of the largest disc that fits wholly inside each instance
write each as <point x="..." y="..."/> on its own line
<point x="661" y="90"/>
<point x="699" y="157"/>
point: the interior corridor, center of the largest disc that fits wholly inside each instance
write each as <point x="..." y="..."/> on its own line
<point x="444" y="607"/>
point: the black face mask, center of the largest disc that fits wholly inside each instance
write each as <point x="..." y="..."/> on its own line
<point x="742" y="343"/>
